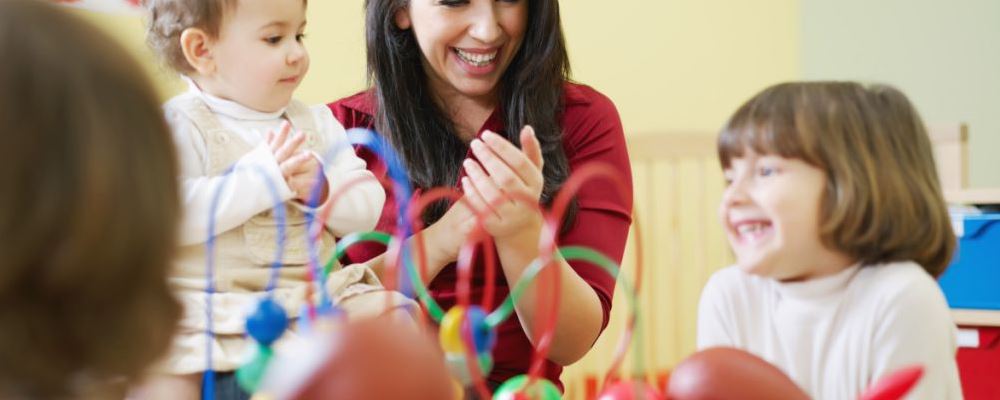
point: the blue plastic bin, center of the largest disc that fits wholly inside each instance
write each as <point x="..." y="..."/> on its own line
<point x="973" y="279"/>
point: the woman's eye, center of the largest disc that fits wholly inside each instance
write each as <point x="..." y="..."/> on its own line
<point x="452" y="3"/>
<point x="273" y="39"/>
<point x="300" y="37"/>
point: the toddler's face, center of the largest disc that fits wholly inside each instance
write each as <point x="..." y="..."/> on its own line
<point x="771" y="214"/>
<point x="259" y="55"/>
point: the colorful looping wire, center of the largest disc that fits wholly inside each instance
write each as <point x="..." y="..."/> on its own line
<point x="468" y="332"/>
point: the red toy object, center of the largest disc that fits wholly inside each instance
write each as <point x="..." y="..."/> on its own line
<point x="979" y="365"/>
<point x="630" y="390"/>
<point x="895" y="385"/>
<point x="380" y="359"/>
<point x="721" y="373"/>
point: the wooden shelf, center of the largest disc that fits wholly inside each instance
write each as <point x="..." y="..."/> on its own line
<point x="976" y="317"/>
<point x="973" y="196"/>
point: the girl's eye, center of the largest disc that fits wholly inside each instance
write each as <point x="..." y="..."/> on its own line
<point x="300" y="37"/>
<point x="273" y="39"/>
<point x="766" y="171"/>
<point x="452" y="3"/>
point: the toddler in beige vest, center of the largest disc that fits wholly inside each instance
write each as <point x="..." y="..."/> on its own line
<point x="241" y="70"/>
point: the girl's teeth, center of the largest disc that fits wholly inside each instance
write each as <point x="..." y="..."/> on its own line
<point x="746" y="229"/>
<point x="476" y="59"/>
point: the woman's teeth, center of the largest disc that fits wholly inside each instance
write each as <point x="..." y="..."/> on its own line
<point x="477" y="59"/>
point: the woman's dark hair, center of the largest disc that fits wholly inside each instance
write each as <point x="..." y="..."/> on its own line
<point x="530" y="93"/>
<point x="88" y="211"/>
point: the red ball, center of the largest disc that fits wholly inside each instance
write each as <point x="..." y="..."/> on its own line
<point x="378" y="359"/>
<point x="722" y="373"/>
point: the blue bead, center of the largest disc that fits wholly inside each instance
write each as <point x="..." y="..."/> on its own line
<point x="482" y="334"/>
<point x="267" y="322"/>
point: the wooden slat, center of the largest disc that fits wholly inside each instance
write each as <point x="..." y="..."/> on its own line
<point x="661" y="146"/>
<point x="678" y="185"/>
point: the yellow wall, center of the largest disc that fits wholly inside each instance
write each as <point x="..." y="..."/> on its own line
<point x="669" y="65"/>
<point x="681" y="65"/>
<point x="334" y="39"/>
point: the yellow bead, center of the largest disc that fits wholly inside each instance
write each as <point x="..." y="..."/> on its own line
<point x="451" y="331"/>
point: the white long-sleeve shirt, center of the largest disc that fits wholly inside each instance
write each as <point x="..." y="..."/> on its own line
<point x="246" y="193"/>
<point x="836" y="336"/>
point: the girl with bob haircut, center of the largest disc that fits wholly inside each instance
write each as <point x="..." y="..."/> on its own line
<point x="88" y="213"/>
<point x="835" y="214"/>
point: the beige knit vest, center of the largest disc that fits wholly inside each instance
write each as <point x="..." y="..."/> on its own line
<point x="243" y="255"/>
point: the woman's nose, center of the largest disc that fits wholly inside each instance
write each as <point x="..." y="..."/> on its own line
<point x="484" y="24"/>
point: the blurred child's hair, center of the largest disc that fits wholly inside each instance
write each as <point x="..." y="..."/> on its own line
<point x="167" y="19"/>
<point x="88" y="210"/>
<point x="882" y="201"/>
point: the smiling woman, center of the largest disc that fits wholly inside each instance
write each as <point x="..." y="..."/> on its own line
<point x="475" y="94"/>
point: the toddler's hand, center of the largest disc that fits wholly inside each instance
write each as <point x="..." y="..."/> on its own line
<point x="284" y="144"/>
<point x="299" y="168"/>
<point x="304" y="170"/>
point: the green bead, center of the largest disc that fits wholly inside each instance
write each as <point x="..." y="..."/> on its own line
<point x="249" y="375"/>
<point x="514" y="389"/>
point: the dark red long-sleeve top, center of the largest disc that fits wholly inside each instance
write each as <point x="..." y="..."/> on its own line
<point x="592" y="132"/>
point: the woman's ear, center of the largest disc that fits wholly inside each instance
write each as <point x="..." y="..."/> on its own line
<point x="197" y="48"/>
<point x="402" y="18"/>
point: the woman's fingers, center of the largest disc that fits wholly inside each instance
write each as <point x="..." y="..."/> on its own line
<point x="531" y="147"/>
<point x="476" y="199"/>
<point x="491" y="195"/>
<point x="505" y="161"/>
<point x="497" y="168"/>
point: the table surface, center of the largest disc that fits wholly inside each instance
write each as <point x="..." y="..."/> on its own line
<point x="976" y="317"/>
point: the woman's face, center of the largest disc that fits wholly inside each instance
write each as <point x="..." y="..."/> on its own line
<point x="466" y="44"/>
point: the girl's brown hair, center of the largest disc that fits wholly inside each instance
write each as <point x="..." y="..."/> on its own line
<point x="883" y="201"/>
<point x="88" y="212"/>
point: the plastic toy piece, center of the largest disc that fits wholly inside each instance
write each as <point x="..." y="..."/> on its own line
<point x="367" y="353"/>
<point x="514" y="389"/>
<point x="451" y="339"/>
<point x="895" y="385"/>
<point x="249" y="375"/>
<point x="729" y="373"/>
<point x="268" y="322"/>
<point x="450" y="336"/>
<point x="484" y="336"/>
